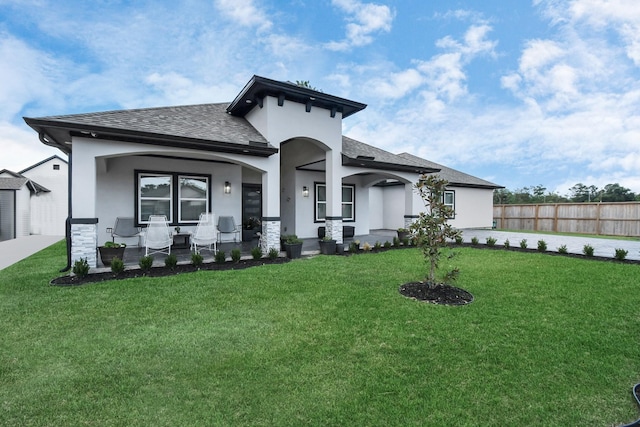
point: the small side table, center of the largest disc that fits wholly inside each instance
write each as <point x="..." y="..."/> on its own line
<point x="181" y="240"/>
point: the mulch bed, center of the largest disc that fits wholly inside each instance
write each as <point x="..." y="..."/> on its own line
<point x="162" y="271"/>
<point x="548" y="252"/>
<point x="439" y="293"/>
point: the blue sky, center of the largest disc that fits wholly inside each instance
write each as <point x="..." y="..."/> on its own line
<point x="520" y="93"/>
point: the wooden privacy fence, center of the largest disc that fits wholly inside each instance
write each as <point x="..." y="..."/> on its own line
<point x="612" y="219"/>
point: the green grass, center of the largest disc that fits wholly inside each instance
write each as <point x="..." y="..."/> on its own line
<point x="554" y="233"/>
<point x="323" y="341"/>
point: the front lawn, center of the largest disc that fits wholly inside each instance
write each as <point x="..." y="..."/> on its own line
<point x="323" y="341"/>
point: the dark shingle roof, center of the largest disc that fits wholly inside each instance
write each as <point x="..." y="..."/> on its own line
<point x="455" y="178"/>
<point x="259" y="87"/>
<point x="204" y="126"/>
<point x="18" y="183"/>
<point x="357" y="153"/>
<point x="12" y="183"/>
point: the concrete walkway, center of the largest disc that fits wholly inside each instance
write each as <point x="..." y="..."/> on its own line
<point x="604" y="247"/>
<point x="14" y="250"/>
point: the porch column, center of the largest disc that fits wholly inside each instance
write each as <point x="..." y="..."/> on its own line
<point x="84" y="240"/>
<point x="270" y="237"/>
<point x="413" y="205"/>
<point x="84" y="222"/>
<point x="333" y="219"/>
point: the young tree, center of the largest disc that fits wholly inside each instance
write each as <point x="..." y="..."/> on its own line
<point x="431" y="229"/>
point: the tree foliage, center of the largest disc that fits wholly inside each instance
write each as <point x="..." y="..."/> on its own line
<point x="431" y="230"/>
<point x="306" y="84"/>
<point x="577" y="194"/>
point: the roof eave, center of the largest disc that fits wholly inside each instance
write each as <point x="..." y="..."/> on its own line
<point x="99" y="132"/>
<point x="483" y="186"/>
<point x="258" y="87"/>
<point x="366" y="163"/>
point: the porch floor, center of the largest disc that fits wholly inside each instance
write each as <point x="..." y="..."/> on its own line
<point x="310" y="246"/>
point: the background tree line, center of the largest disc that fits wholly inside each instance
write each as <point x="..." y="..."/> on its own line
<point x="578" y="193"/>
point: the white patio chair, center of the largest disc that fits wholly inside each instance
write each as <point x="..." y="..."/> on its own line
<point x="126" y="228"/>
<point x="157" y="238"/>
<point x="205" y="234"/>
<point x="227" y="225"/>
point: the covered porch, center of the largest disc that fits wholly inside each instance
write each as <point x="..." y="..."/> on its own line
<point x="310" y="246"/>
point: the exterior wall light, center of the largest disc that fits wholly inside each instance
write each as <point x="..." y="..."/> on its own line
<point x="227" y="187"/>
<point x="305" y="191"/>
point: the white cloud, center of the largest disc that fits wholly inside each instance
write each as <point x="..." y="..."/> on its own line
<point x="23" y="146"/>
<point x="23" y="66"/>
<point x="245" y="13"/>
<point x="364" y="20"/>
<point x="443" y="75"/>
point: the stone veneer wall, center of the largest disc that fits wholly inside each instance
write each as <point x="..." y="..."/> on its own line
<point x="270" y="237"/>
<point x="84" y="243"/>
<point x="334" y="229"/>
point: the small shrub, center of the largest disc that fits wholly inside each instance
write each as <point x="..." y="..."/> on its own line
<point x="523" y="243"/>
<point x="146" y="262"/>
<point x="171" y="261"/>
<point x="196" y="259"/>
<point x="621" y="254"/>
<point x="405" y="241"/>
<point x="220" y="257"/>
<point x="396" y="242"/>
<point x="563" y="249"/>
<point x="377" y="246"/>
<point x="459" y="239"/>
<point x="387" y="244"/>
<point x="273" y="253"/>
<point x="507" y="245"/>
<point x="256" y="252"/>
<point x="354" y="246"/>
<point x="542" y="246"/>
<point x="81" y="267"/>
<point x="235" y="254"/>
<point x="587" y="250"/>
<point x="491" y="241"/>
<point x="117" y="265"/>
<point x="474" y="240"/>
<point x="366" y="247"/>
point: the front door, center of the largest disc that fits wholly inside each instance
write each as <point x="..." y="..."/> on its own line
<point x="251" y="211"/>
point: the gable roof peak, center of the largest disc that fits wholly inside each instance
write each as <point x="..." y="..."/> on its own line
<point x="260" y="87"/>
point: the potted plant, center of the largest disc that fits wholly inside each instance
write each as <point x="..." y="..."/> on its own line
<point x="111" y="250"/>
<point x="293" y="246"/>
<point x="327" y="246"/>
<point x="403" y="234"/>
<point x="250" y="229"/>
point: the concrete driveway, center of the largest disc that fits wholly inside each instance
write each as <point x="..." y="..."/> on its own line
<point x="602" y="246"/>
<point x="14" y="250"/>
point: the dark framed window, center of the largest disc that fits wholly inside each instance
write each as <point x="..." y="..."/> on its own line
<point x="180" y="197"/>
<point x="348" y="202"/>
<point x="449" y="199"/>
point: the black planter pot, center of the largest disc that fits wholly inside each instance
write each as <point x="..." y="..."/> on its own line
<point x="402" y="235"/>
<point x="327" y="247"/>
<point x="294" y="250"/>
<point x="108" y="254"/>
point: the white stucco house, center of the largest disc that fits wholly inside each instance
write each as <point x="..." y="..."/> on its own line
<point x="34" y="200"/>
<point x="275" y="152"/>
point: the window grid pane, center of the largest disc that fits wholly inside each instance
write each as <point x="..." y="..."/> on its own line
<point x="155" y="196"/>
<point x="193" y="198"/>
